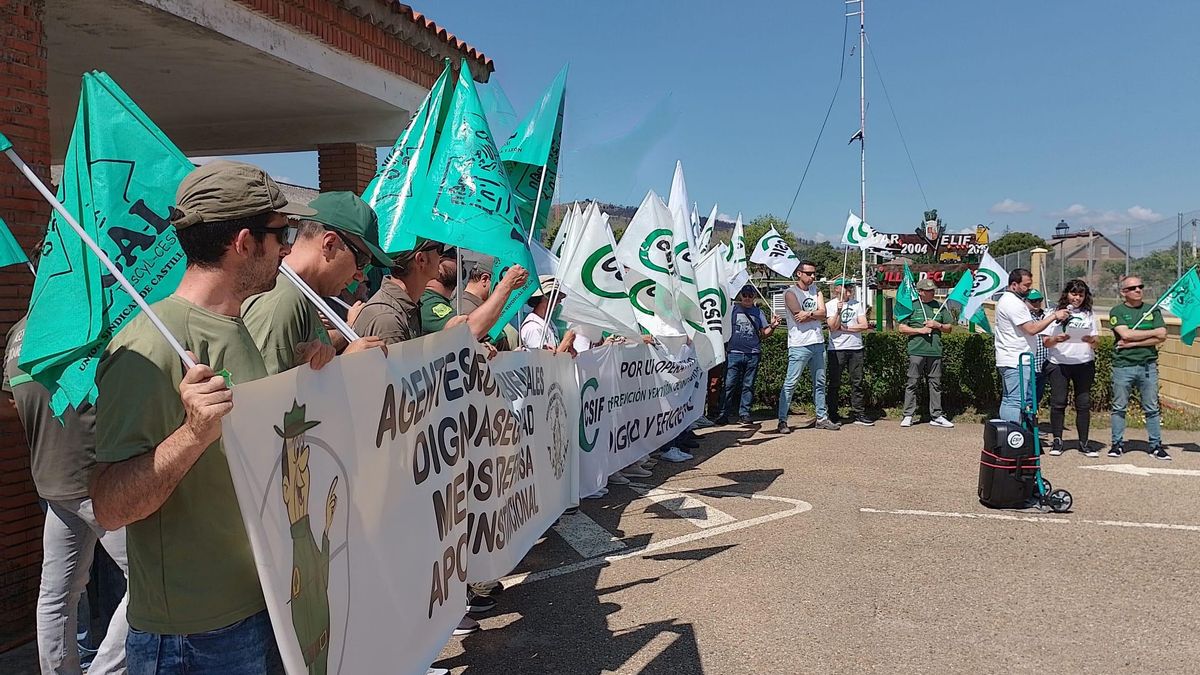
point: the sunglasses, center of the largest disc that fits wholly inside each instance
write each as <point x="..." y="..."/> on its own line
<point x="361" y="258"/>
<point x="807" y="272"/>
<point x="1134" y="288"/>
<point x="286" y="234"/>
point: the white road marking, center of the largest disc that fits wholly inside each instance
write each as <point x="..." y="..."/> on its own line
<point x="686" y="507"/>
<point x="798" y="506"/>
<point x="585" y="535"/>
<point x="1033" y="519"/>
<point x="1134" y="470"/>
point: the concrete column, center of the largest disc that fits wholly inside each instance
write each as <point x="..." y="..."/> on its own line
<point x="25" y="119"/>
<point x="345" y="166"/>
<point x="1037" y="266"/>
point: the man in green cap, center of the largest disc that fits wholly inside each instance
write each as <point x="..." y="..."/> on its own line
<point x="309" y="596"/>
<point x="437" y="308"/>
<point x="195" y="602"/>
<point x="332" y="247"/>
<point x="924" y="328"/>
<point x="392" y="314"/>
<point x="1037" y="309"/>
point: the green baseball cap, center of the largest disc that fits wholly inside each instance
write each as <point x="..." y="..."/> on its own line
<point x="223" y="190"/>
<point x="423" y="245"/>
<point x="346" y="212"/>
<point x="1034" y="295"/>
<point x="844" y="282"/>
<point x="926" y="284"/>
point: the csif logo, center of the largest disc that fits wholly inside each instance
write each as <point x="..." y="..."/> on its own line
<point x="985" y="282"/>
<point x="641" y="296"/>
<point x="602" y="274"/>
<point x="712" y="305"/>
<point x="655" y="252"/>
<point x="590" y="411"/>
<point x="683" y="257"/>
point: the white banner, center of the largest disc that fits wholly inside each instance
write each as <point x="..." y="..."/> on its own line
<point x="633" y="399"/>
<point x="409" y="470"/>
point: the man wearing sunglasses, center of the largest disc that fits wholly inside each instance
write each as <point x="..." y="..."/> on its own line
<point x="437" y="305"/>
<point x="331" y="250"/>
<point x="1135" y="364"/>
<point x="195" y="601"/>
<point x="806" y="345"/>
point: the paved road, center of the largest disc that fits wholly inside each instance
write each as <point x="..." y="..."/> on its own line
<point x="896" y="567"/>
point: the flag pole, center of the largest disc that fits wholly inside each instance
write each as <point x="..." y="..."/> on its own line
<point x="341" y="302"/>
<point x="536" y="204"/>
<point x="322" y="306"/>
<point x="31" y="269"/>
<point x="91" y="244"/>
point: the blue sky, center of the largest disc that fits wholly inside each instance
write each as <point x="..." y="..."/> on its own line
<point x="1016" y="113"/>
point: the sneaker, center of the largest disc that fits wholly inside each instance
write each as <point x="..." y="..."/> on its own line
<point x="828" y="424"/>
<point x="479" y="603"/>
<point x="675" y="455"/>
<point x="1117" y="449"/>
<point x="648" y="464"/>
<point x="617" y="479"/>
<point x="437" y="671"/>
<point x="907" y="421"/>
<point x="1088" y="449"/>
<point x="744" y="421"/>
<point x="635" y="471"/>
<point x="1159" y="452"/>
<point x="721" y="421"/>
<point x="941" y="421"/>
<point x="864" y="421"/>
<point x="703" y="422"/>
<point x="466" y="626"/>
<point x="1056" y="447"/>
<point x="783" y="428"/>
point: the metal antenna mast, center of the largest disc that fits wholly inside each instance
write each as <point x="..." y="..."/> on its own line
<point x="859" y="7"/>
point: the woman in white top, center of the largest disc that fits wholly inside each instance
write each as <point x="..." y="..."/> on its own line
<point x="1071" y="361"/>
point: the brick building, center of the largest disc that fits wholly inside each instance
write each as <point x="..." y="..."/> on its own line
<point x="219" y="77"/>
<point x="1086" y="250"/>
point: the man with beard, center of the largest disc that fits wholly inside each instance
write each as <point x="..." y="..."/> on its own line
<point x="392" y="314"/>
<point x="437" y="309"/>
<point x="1015" y="334"/>
<point x="195" y="602"/>
<point x="331" y="250"/>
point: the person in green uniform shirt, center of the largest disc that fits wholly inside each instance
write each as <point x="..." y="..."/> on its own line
<point x="437" y="307"/>
<point x="924" y="328"/>
<point x="1135" y="364"/>
<point x="195" y="601"/>
<point x="309" y="597"/>
<point x="332" y="247"/>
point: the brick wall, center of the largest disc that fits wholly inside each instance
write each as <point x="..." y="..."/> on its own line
<point x="340" y="28"/>
<point x="345" y="166"/>
<point x="1178" y="369"/>
<point x="24" y="118"/>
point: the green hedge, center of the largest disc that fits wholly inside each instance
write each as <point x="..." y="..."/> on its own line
<point x="969" y="377"/>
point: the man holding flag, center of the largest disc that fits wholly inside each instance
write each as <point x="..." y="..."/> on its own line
<point x="1135" y="364"/>
<point x="924" y="325"/>
<point x="194" y="595"/>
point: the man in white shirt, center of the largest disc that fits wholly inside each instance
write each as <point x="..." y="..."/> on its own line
<point x="537" y="331"/>
<point x="847" y="321"/>
<point x="806" y="345"/>
<point x="1015" y="333"/>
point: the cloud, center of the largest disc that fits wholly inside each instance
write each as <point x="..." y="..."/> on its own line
<point x="966" y="230"/>
<point x="1010" y="206"/>
<point x="1082" y="215"/>
<point x="726" y="217"/>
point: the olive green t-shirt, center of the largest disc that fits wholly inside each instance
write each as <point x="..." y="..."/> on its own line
<point x="191" y="569"/>
<point x="436" y="311"/>
<point x="925" y="345"/>
<point x="1131" y="317"/>
<point x="280" y="319"/>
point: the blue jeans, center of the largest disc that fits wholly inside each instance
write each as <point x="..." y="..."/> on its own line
<point x="740" y="369"/>
<point x="1010" y="400"/>
<point x="246" y="647"/>
<point x="1145" y="378"/>
<point x="814" y="357"/>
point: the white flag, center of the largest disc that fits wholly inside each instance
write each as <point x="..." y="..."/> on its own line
<point x="859" y="233"/>
<point x="990" y="278"/>
<point x="774" y="252"/>
<point x="706" y="232"/>
<point x="735" y="260"/>
<point x="647" y="251"/>
<point x="592" y="279"/>
<point x="572" y="216"/>
<point x="714" y="299"/>
<point x="545" y="261"/>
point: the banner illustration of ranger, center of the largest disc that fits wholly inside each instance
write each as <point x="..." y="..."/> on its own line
<point x="119" y="180"/>
<point x="647" y="250"/>
<point x="634" y="398"/>
<point x="531" y="156"/>
<point x="391" y="192"/>
<point x="859" y="233"/>
<point x="11" y="252"/>
<point x="774" y="252"/>
<point x="1183" y="300"/>
<point x="592" y="278"/>
<point x="419" y="494"/>
<point x="466" y="199"/>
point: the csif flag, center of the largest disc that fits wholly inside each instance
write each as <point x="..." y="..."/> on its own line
<point x="859" y="233"/>
<point x="119" y="181"/>
<point x="906" y="297"/>
<point x="735" y="259"/>
<point x="989" y="279"/>
<point x="592" y="278"/>
<point x="774" y="252"/>
<point x="647" y="251"/>
<point x="958" y="298"/>
<point x="11" y="252"/>
<point x="531" y="156"/>
<point x="1183" y="300"/>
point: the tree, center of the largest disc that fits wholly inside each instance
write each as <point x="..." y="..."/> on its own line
<point x="1012" y="242"/>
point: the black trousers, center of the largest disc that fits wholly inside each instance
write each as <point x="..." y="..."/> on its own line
<point x="848" y="361"/>
<point x="1078" y="376"/>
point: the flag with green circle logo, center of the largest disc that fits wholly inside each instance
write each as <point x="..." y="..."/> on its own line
<point x="647" y="251"/>
<point x="1183" y="300"/>
<point x="989" y="279"/>
<point x="772" y="250"/>
<point x="592" y="278"/>
<point x="714" y="303"/>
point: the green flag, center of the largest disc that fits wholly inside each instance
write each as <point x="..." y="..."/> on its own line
<point x="406" y="166"/>
<point x="906" y="295"/>
<point x="533" y="150"/>
<point x="119" y="181"/>
<point x="11" y="252"/>
<point x="467" y="199"/>
<point x="1183" y="300"/>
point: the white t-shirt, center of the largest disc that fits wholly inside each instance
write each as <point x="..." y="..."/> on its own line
<point x="531" y="333"/>
<point x="842" y="339"/>
<point x="1074" y="352"/>
<point x="809" y="332"/>
<point x="1010" y="340"/>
